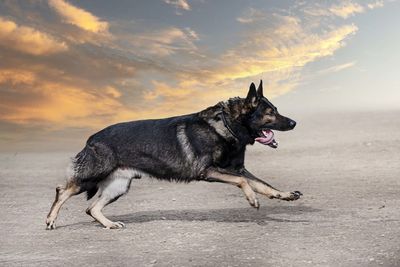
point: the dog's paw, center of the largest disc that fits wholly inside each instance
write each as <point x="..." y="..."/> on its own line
<point x="291" y="196"/>
<point x="50" y="225"/>
<point x="296" y="195"/>
<point x="115" y="225"/>
<point x="253" y="201"/>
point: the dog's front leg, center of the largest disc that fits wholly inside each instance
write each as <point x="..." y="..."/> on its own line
<point x="227" y="176"/>
<point x="264" y="188"/>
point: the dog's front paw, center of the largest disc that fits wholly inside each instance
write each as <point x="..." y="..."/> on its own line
<point x="296" y="195"/>
<point x="291" y="196"/>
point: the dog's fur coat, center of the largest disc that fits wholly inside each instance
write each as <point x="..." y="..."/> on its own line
<point x="204" y="146"/>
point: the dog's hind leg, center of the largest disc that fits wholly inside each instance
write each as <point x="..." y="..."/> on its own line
<point x="113" y="187"/>
<point x="239" y="181"/>
<point x="62" y="195"/>
<point x="264" y="188"/>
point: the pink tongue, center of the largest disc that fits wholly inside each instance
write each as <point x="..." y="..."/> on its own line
<point x="267" y="138"/>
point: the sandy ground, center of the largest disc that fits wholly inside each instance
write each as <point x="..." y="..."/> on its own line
<point x="347" y="166"/>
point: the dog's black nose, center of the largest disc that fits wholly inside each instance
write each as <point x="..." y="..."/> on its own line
<point x="292" y="124"/>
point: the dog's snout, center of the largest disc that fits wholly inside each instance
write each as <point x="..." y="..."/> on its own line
<point x="292" y="124"/>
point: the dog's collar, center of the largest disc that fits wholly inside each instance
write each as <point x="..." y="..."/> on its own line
<point x="224" y="120"/>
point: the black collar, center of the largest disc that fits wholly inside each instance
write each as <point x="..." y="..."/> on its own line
<point x="224" y="120"/>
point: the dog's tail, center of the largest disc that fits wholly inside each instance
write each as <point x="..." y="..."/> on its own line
<point x="94" y="163"/>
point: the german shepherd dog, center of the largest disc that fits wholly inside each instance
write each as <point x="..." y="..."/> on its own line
<point x="205" y="146"/>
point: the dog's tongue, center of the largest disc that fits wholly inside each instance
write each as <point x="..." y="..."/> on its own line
<point x="267" y="139"/>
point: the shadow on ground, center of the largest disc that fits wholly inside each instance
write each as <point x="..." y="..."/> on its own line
<point x="231" y="215"/>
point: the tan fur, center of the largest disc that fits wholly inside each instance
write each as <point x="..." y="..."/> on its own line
<point x="62" y="195"/>
<point x="239" y="181"/>
<point x="269" y="191"/>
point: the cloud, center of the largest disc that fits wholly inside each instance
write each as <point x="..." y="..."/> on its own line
<point x="276" y="53"/>
<point x="343" y="9"/>
<point x="376" y="4"/>
<point x="162" y="42"/>
<point x="179" y="5"/>
<point x="79" y="17"/>
<point x="57" y="103"/>
<point x="16" y="76"/>
<point x="28" y="40"/>
<point x="251" y="15"/>
<point x="165" y="91"/>
<point x="192" y="34"/>
<point x="337" y="68"/>
<point x="346" y="9"/>
<point x="184" y="97"/>
<point x="286" y="47"/>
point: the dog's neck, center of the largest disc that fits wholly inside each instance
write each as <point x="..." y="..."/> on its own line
<point x="233" y="118"/>
<point x="227" y="119"/>
<point x="236" y="107"/>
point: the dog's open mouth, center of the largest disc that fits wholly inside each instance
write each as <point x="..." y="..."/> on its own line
<point x="267" y="138"/>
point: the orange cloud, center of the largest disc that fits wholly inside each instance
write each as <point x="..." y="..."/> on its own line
<point x="32" y="100"/>
<point x="166" y="100"/>
<point x="28" y="40"/>
<point x="165" y="91"/>
<point x="65" y="105"/>
<point x="79" y="17"/>
<point x="266" y="52"/>
<point x="112" y="92"/>
<point x="15" y="76"/>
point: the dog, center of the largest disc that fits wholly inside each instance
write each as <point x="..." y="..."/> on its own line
<point x="205" y="146"/>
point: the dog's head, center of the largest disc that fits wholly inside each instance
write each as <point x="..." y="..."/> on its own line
<point x="263" y="117"/>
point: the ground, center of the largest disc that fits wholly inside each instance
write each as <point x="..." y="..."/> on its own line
<point x="346" y="165"/>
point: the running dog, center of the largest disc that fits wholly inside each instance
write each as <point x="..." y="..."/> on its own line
<point x="205" y="146"/>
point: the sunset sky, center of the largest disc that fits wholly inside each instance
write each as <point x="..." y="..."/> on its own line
<point x="68" y="68"/>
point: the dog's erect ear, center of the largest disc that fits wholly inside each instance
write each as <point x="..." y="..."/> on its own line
<point x="260" y="90"/>
<point x="252" y="98"/>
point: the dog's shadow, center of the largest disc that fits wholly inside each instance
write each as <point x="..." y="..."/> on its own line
<point x="230" y="215"/>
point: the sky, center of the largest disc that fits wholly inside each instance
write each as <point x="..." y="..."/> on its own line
<point x="69" y="68"/>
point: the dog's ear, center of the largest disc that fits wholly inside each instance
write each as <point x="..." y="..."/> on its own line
<point x="252" y="98"/>
<point x="260" y="90"/>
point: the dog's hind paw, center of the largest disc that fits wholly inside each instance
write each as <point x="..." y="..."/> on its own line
<point x="115" y="225"/>
<point x="50" y="225"/>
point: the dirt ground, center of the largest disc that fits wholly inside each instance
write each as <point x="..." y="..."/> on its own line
<point x="347" y="166"/>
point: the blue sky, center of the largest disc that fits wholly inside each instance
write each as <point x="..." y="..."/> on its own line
<point x="86" y="64"/>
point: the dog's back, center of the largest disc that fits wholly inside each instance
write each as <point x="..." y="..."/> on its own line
<point x="164" y="149"/>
